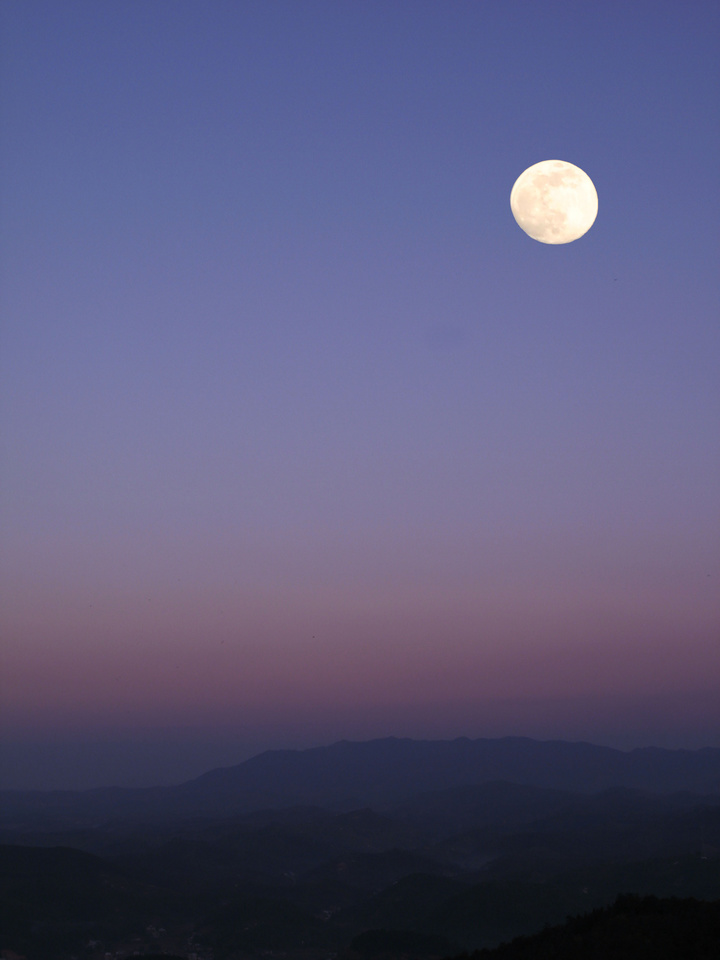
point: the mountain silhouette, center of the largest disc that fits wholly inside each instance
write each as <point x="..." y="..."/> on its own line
<point x="379" y="774"/>
<point x="369" y="850"/>
<point x="632" y="928"/>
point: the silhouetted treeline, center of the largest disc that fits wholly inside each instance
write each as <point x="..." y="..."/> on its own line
<point x="633" y="928"/>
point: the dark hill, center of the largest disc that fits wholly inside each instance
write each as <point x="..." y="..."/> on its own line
<point x="633" y="928"/>
<point x="442" y="813"/>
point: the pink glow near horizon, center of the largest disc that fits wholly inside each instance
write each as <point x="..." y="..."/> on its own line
<point x="210" y="656"/>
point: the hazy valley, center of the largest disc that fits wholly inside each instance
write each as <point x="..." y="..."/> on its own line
<point x="349" y="851"/>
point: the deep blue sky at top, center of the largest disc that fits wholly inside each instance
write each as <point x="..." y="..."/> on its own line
<point x="276" y="356"/>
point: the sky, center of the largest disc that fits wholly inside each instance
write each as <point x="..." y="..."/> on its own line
<point x="303" y="438"/>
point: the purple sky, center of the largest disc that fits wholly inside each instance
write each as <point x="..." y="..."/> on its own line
<point x="304" y="438"/>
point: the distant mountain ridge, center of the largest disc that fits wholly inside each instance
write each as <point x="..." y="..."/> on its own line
<point x="381" y="774"/>
<point x="388" y="770"/>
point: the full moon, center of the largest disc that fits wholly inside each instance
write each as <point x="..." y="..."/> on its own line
<point x="554" y="201"/>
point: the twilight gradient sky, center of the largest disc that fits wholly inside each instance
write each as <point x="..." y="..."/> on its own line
<point x="304" y="438"/>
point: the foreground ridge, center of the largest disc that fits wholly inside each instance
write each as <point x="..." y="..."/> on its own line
<point x="632" y="928"/>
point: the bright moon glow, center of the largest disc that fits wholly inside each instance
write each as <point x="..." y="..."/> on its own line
<point x="554" y="201"/>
